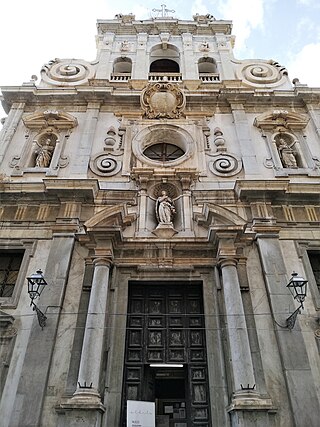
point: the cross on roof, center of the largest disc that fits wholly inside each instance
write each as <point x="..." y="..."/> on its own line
<point x="164" y="11"/>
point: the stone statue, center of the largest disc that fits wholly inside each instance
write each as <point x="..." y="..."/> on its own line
<point x="287" y="154"/>
<point x="164" y="208"/>
<point x="44" y="154"/>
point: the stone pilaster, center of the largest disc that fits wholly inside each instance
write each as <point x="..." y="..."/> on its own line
<point x="244" y="138"/>
<point x="31" y="392"/>
<point x="10" y="126"/>
<point x="81" y="160"/>
<point x="299" y="380"/>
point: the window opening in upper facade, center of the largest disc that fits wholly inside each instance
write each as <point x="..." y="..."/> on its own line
<point x="164" y="66"/>
<point x="10" y="263"/>
<point x="163" y="152"/>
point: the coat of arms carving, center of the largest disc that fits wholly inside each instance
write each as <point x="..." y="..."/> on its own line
<point x="163" y="100"/>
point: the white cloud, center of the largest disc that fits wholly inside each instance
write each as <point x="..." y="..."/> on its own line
<point x="198" y="7"/>
<point x="305" y="65"/>
<point x="246" y="16"/>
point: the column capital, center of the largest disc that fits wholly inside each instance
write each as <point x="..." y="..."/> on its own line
<point x="225" y="262"/>
<point x="101" y="260"/>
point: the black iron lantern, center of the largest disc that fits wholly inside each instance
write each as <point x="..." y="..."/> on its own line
<point x="36" y="285"/>
<point x="298" y="288"/>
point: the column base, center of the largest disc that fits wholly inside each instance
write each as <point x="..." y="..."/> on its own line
<point x="83" y="408"/>
<point x="84" y="398"/>
<point x="250" y="400"/>
<point x="247" y="407"/>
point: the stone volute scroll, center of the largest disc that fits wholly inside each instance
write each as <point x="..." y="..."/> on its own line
<point x="223" y="163"/>
<point x="163" y="100"/>
<point x="108" y="162"/>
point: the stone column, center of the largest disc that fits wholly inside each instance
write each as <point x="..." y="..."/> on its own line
<point x="242" y="367"/>
<point x="245" y="397"/>
<point x="92" y="347"/>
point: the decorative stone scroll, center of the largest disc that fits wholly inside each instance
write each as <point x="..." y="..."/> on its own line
<point x="223" y="163"/>
<point x="262" y="73"/>
<point x="105" y="165"/>
<point x="163" y="100"/>
<point x="67" y="72"/>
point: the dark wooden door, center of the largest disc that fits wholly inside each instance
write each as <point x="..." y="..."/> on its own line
<point x="166" y="325"/>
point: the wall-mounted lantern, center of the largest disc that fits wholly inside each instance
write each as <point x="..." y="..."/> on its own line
<point x="36" y="285"/>
<point x="298" y="288"/>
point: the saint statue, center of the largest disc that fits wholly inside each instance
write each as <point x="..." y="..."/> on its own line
<point x="287" y="154"/>
<point x="44" y="154"/>
<point x="164" y="208"/>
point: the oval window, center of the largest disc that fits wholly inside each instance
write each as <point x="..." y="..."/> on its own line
<point x="163" y="152"/>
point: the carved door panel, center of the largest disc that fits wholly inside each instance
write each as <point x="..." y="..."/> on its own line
<point x="165" y="325"/>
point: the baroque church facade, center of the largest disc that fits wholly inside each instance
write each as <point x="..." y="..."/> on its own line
<point x="167" y="191"/>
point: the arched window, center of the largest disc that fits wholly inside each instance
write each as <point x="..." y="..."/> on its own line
<point x="164" y="63"/>
<point x="164" y="66"/>
<point x="122" y="65"/>
<point x="207" y="69"/>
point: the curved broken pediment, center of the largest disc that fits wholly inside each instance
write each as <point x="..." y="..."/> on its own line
<point x="214" y="215"/>
<point x="50" y="118"/>
<point x="112" y="216"/>
<point x="282" y="118"/>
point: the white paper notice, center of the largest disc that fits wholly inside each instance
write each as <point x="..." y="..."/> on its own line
<point x="140" y="414"/>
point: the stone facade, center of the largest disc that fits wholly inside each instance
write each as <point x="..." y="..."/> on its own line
<point x="165" y="173"/>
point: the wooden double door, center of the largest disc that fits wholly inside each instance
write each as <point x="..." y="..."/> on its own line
<point x="165" y="358"/>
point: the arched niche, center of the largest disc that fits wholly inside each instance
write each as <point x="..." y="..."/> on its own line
<point x="122" y="65"/>
<point x="164" y="60"/>
<point x="284" y="134"/>
<point x="207" y="66"/>
<point x="47" y="133"/>
<point x="164" y="66"/>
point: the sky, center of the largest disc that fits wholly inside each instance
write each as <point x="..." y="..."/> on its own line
<point x="33" y="32"/>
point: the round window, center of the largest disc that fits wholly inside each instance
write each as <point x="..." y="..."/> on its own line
<point x="163" y="152"/>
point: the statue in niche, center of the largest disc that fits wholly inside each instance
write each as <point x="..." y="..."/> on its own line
<point x="44" y="154"/>
<point x="164" y="209"/>
<point x="287" y="154"/>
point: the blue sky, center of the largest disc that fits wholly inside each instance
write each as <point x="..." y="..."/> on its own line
<point x="32" y="32"/>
